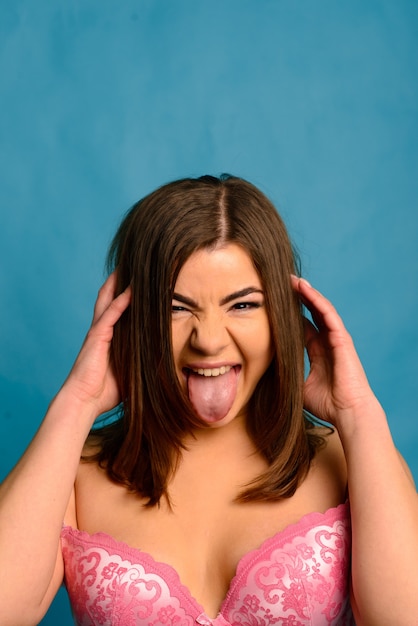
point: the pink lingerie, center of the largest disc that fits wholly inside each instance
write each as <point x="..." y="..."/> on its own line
<point x="299" y="576"/>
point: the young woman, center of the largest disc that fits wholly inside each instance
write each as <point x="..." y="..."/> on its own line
<point x="214" y="496"/>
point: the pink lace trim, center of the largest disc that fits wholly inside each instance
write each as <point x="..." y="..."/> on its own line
<point x="294" y="577"/>
<point x="304" y="524"/>
<point x="298" y="577"/>
<point x="114" y="547"/>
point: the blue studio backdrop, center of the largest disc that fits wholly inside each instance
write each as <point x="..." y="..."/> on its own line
<point x="102" y="101"/>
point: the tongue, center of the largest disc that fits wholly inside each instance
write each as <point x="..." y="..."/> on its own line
<point x="212" y="396"/>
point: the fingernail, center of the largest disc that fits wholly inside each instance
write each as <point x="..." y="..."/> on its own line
<point x="306" y="282"/>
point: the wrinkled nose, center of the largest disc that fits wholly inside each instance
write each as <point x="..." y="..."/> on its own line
<point x="209" y="335"/>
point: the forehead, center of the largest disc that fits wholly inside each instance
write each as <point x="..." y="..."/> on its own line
<point x="217" y="268"/>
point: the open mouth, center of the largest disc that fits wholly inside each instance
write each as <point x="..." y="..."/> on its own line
<point x="210" y="372"/>
<point x="214" y="371"/>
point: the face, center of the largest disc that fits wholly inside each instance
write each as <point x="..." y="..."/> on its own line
<point x="220" y="332"/>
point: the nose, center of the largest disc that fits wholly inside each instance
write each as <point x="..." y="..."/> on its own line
<point x="209" y="335"/>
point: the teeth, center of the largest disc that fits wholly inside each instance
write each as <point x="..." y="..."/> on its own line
<point x="216" y="371"/>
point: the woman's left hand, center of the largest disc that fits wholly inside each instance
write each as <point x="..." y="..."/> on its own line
<point x="336" y="389"/>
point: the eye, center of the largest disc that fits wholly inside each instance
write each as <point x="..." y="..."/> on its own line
<point x="246" y="306"/>
<point x="178" y="310"/>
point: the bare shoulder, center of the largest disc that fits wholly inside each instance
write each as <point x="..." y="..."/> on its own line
<point x="89" y="469"/>
<point x="331" y="455"/>
<point x="332" y="448"/>
<point x="330" y="461"/>
<point x="87" y="484"/>
<point x="99" y="500"/>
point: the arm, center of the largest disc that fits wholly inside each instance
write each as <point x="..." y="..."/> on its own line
<point x="383" y="499"/>
<point x="36" y="494"/>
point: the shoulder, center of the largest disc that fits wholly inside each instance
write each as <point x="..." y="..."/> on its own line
<point x="88" y="473"/>
<point x="332" y="449"/>
<point x="329" y="462"/>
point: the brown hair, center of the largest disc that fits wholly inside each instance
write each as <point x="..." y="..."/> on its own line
<point x="141" y="448"/>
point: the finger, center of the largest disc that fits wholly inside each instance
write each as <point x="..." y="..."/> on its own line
<point x="311" y="331"/>
<point x="103" y="327"/>
<point x="321" y="309"/>
<point x="315" y="347"/>
<point x="105" y="296"/>
<point x="115" y="309"/>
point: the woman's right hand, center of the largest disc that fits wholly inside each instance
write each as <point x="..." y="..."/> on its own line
<point x="36" y="496"/>
<point x="92" y="379"/>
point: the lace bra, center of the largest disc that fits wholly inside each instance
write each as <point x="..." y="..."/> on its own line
<point x="297" y="577"/>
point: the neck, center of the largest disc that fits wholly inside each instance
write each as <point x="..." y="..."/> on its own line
<point x="225" y="457"/>
<point x="232" y="436"/>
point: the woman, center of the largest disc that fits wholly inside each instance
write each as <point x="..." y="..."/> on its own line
<point x="211" y="497"/>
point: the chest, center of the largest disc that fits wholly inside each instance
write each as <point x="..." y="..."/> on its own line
<point x="203" y="537"/>
<point x="301" y="572"/>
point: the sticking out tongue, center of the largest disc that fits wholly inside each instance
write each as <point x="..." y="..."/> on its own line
<point x="212" y="396"/>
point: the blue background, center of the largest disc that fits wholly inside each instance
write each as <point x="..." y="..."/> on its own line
<point x="102" y="101"/>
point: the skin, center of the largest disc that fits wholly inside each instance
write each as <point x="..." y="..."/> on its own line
<point x="207" y="532"/>
<point x="383" y="498"/>
<point x="213" y="326"/>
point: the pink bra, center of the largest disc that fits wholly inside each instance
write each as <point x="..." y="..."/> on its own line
<point x="297" y="577"/>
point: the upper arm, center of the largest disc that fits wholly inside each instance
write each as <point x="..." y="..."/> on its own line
<point x="58" y="574"/>
<point x="407" y="469"/>
<point x="56" y="582"/>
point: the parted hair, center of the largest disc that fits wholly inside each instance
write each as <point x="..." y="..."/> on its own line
<point x="142" y="446"/>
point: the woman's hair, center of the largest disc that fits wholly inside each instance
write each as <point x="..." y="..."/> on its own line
<point x="142" y="447"/>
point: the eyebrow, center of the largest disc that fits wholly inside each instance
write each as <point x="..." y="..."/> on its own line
<point x="232" y="296"/>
